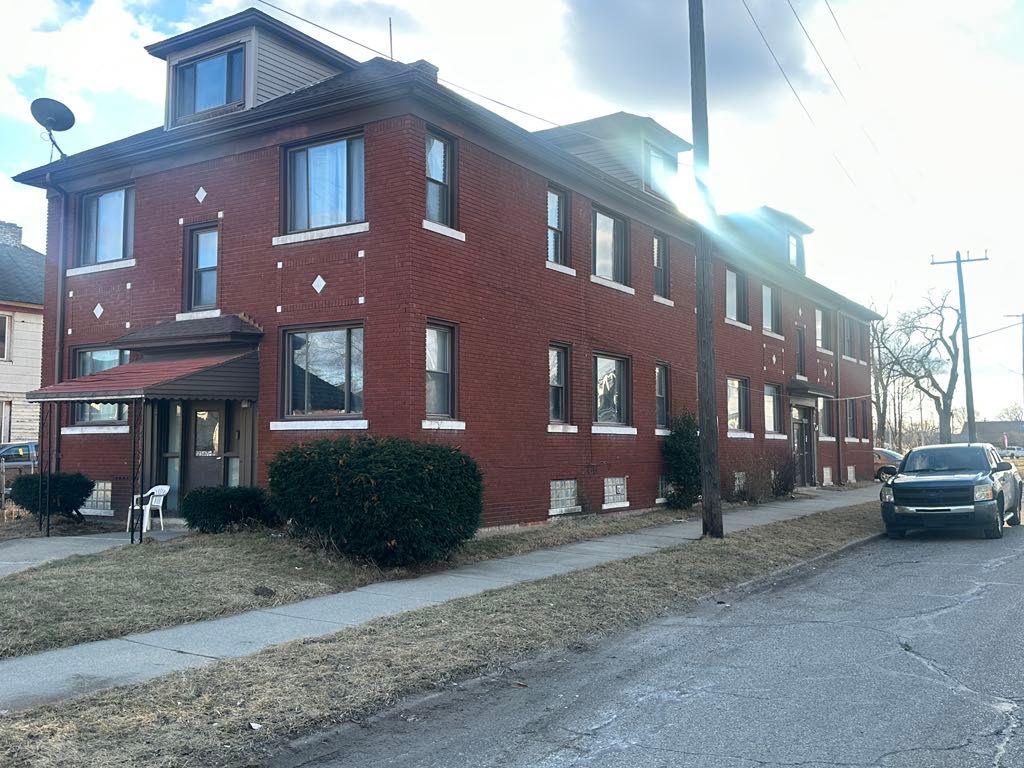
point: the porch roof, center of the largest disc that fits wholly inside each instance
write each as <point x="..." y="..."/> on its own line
<point x="804" y="388"/>
<point x="221" y="376"/>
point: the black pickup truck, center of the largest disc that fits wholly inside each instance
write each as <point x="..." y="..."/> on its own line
<point x="951" y="486"/>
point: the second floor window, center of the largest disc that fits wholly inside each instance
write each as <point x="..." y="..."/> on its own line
<point x="439" y="184"/>
<point x="611" y="390"/>
<point x="440" y="383"/>
<point x="661" y="395"/>
<point x="770" y="314"/>
<point x="325" y="184"/>
<point x="89" y="361"/>
<point x="736" y="296"/>
<point x="826" y="425"/>
<point x="661" y="266"/>
<point x="203" y="259"/>
<point x="210" y="82"/>
<point x="849" y="348"/>
<point x="737" y="399"/>
<point x="558" y="390"/>
<point x="773" y="408"/>
<point x="556" y="227"/>
<point x="108" y="226"/>
<point x="609" y="247"/>
<point x="5" y="337"/>
<point x="823" y="329"/>
<point x="325" y="372"/>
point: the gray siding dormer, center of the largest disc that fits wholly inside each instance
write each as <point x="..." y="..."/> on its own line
<point x="281" y="68"/>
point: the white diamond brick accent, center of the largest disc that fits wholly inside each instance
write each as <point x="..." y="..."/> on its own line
<point x="97" y="310"/>
<point x="200" y="195"/>
<point x="319" y="284"/>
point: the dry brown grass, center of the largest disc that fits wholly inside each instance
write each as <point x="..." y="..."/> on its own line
<point x="202" y="717"/>
<point x="137" y="589"/>
<point x="16" y="523"/>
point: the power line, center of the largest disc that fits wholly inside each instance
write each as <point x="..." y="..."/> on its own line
<point x="997" y="330"/>
<point x="849" y="47"/>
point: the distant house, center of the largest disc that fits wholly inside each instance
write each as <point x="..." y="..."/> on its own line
<point x="21" y="334"/>
<point x="1000" y="433"/>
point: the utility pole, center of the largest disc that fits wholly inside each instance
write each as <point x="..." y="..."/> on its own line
<point x="1021" y="318"/>
<point x="707" y="406"/>
<point x="972" y="432"/>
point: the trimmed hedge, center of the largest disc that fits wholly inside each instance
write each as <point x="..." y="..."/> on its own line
<point x="68" y="492"/>
<point x="389" y="500"/>
<point x="681" y="451"/>
<point x="215" y="509"/>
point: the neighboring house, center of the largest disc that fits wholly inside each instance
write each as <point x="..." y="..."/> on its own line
<point x="1000" y="433"/>
<point x="315" y="247"/>
<point x="21" y="334"/>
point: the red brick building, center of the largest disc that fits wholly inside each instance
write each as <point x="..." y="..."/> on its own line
<point x="312" y="247"/>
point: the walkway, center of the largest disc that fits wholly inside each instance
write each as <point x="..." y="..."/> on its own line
<point x="59" y="674"/>
<point x="21" y="554"/>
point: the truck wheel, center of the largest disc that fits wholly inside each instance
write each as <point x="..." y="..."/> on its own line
<point x="996" y="531"/>
<point x="1015" y="516"/>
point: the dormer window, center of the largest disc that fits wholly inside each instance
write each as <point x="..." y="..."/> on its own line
<point x="796" y="252"/>
<point x="659" y="170"/>
<point x="210" y="82"/>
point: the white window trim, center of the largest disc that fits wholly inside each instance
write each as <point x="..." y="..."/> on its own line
<point x="823" y="351"/>
<point x="864" y="440"/>
<point x="568" y="429"/>
<point x="738" y="324"/>
<point x="441" y="229"/>
<point x="449" y="424"/>
<point x="862" y="362"/>
<point x="663" y="300"/>
<point x="849" y="359"/>
<point x="615" y="505"/>
<point x="662" y="431"/>
<point x="826" y="439"/>
<point x="199" y="314"/>
<point x="95" y="429"/>
<point x="740" y="434"/>
<point x="772" y="334"/>
<point x="776" y="436"/>
<point x="799" y="377"/>
<point x="318" y="424"/>
<point x="661" y="500"/>
<point x="321" y="234"/>
<point x="97" y="511"/>
<point x="851" y="440"/>
<point x="612" y="284"/>
<point x="556" y="267"/>
<point x="7" y="319"/>
<point x="564" y="510"/>
<point x="611" y="429"/>
<point x="105" y="266"/>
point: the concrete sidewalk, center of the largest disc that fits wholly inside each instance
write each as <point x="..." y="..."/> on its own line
<point x="59" y="674"/>
<point x="22" y="554"/>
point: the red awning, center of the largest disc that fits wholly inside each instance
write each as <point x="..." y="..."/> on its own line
<point x="223" y="376"/>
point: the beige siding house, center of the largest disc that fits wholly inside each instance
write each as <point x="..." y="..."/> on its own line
<point x="21" y="334"/>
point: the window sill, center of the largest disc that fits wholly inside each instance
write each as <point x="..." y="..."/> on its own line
<point x="441" y="229"/>
<point x="773" y="334"/>
<point x="104" y="267"/>
<point x="569" y="429"/>
<point x="612" y="284"/>
<point x="738" y="324"/>
<point x="862" y="362"/>
<point x="855" y="440"/>
<point x="321" y="234"/>
<point x="96" y="512"/>
<point x="555" y="267"/>
<point x="823" y="351"/>
<point x="826" y="439"/>
<point x="661" y="500"/>
<point x="96" y="429"/>
<point x="740" y="434"/>
<point x="662" y="300"/>
<point x="318" y="424"/>
<point x="864" y="440"/>
<point x="849" y="359"/>
<point x="662" y="432"/>
<point x="615" y="505"/>
<point x="775" y="436"/>
<point x="564" y="510"/>
<point x="611" y="429"/>
<point x="444" y="424"/>
<point x="199" y="314"/>
<point x="799" y="377"/>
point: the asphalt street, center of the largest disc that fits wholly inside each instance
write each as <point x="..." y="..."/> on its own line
<point x="896" y="654"/>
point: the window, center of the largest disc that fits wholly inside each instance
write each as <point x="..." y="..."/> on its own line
<point x="108" y="226"/>
<point x="6" y="418"/>
<point x="736" y="296"/>
<point x="865" y="419"/>
<point x="202" y="291"/>
<point x="210" y="82"/>
<point x="5" y="337"/>
<point x="89" y="361"/>
<point x="826" y="425"/>
<point x="851" y="418"/>
<point x="100" y="498"/>
<point x="564" y="497"/>
<point x="440" y="383"/>
<point x="661" y="394"/>
<point x="325" y="184"/>
<point x="823" y="329"/>
<point x="439" y="185"/>
<point x="865" y="342"/>
<point x="770" y="310"/>
<point x="615" y="491"/>
<point x="801" y="355"/>
<point x="773" y="408"/>
<point x="661" y="286"/>
<point x="325" y="372"/>
<point x="611" y="390"/>
<point x="848" y="345"/>
<point x="738" y="404"/>
<point x="661" y="168"/>
<point x="796" y="252"/>
<point x="558" y="391"/>
<point x="609" y="247"/>
<point x="556" y="227"/>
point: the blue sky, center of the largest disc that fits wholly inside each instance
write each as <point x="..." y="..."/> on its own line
<point x="928" y="131"/>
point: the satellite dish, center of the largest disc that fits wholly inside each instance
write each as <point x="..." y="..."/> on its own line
<point x="53" y="116"/>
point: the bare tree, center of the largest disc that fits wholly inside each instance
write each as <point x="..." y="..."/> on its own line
<point x="1012" y="412"/>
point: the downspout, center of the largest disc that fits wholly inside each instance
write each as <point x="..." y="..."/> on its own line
<point x="840" y="441"/>
<point x="58" y="353"/>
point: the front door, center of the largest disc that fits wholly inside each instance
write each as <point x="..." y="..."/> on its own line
<point x="803" y="453"/>
<point x="205" y="452"/>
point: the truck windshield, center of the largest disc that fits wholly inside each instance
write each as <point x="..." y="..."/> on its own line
<point x="952" y="459"/>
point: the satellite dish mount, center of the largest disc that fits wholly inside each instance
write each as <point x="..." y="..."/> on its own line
<point x="53" y="116"/>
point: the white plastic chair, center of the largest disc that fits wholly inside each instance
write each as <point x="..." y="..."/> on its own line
<point x="155" y="501"/>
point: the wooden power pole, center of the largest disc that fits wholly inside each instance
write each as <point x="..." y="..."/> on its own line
<point x="707" y="399"/>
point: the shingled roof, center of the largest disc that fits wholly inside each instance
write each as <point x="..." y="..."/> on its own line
<point x="21" y="274"/>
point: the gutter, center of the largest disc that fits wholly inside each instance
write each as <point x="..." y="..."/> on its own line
<point x="58" y="354"/>
<point x="839" y="367"/>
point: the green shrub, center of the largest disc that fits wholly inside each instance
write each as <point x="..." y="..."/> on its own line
<point x="681" y="451"/>
<point x="68" y="492"/>
<point x="392" y="501"/>
<point x="215" y="509"/>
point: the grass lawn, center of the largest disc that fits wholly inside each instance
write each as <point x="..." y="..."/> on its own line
<point x="203" y="716"/>
<point x="16" y="523"/>
<point x="138" y="588"/>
